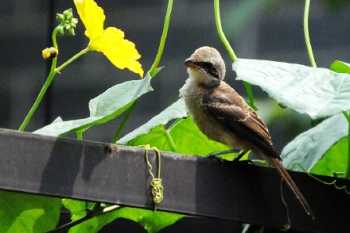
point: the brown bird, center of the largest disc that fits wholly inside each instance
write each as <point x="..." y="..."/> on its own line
<point x="223" y="115"/>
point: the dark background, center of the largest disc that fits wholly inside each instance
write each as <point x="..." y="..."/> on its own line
<point x="261" y="29"/>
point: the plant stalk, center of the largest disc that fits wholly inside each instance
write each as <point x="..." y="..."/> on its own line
<point x="49" y="80"/>
<point x="37" y="101"/>
<point x="45" y="86"/>
<point x="153" y="70"/>
<point x="79" y="135"/>
<point x="163" y="39"/>
<point x="307" y="34"/>
<point x="170" y="140"/>
<point x="122" y="125"/>
<point x="231" y="53"/>
<point x="221" y="34"/>
<point x="72" y="59"/>
<point x="97" y="211"/>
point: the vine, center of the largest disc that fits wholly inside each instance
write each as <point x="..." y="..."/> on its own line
<point x="230" y="51"/>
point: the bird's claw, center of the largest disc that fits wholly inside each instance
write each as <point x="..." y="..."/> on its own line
<point x="215" y="157"/>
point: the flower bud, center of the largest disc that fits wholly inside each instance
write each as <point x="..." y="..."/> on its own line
<point x="67" y="23"/>
<point x="49" y="53"/>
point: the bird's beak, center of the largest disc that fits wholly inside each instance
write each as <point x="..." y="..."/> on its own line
<point x="190" y="63"/>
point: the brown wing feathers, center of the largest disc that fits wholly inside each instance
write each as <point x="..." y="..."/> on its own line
<point x="229" y="109"/>
<point x="240" y="119"/>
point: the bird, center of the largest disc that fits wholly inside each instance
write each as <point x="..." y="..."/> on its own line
<point x="222" y="114"/>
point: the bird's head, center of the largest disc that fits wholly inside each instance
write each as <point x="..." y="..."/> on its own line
<point x="206" y="66"/>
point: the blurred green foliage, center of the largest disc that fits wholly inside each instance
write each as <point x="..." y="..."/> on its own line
<point x="337" y="5"/>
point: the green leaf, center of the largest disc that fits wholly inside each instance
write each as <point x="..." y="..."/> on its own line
<point x="152" y="221"/>
<point x="77" y="208"/>
<point x="318" y="92"/>
<point x="175" y="110"/>
<point x="156" y="137"/>
<point x="190" y="140"/>
<point x="309" y="147"/>
<point x="340" y="67"/>
<point x="334" y="161"/>
<point x="103" y="108"/>
<point x="27" y="213"/>
<point x="187" y="138"/>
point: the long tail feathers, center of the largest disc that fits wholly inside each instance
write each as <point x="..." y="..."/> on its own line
<point x="291" y="184"/>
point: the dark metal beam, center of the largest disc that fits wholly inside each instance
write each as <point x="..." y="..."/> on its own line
<point x="195" y="186"/>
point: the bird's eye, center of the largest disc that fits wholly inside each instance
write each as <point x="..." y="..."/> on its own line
<point x="209" y="67"/>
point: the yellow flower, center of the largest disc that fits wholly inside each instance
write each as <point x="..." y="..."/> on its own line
<point x="110" y="41"/>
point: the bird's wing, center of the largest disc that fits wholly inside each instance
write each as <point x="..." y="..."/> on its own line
<point x="230" y="110"/>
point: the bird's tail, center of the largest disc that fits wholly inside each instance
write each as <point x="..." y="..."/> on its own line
<point x="276" y="162"/>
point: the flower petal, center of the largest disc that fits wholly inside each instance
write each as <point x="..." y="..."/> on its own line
<point x="92" y="16"/>
<point x="120" y="52"/>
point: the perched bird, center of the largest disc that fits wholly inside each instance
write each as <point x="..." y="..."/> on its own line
<point x="223" y="115"/>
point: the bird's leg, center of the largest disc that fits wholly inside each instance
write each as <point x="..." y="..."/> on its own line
<point x="224" y="152"/>
<point x="240" y="155"/>
<point x="235" y="160"/>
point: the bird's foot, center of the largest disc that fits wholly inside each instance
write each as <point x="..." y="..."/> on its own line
<point x="239" y="156"/>
<point x="224" y="152"/>
<point x="218" y="156"/>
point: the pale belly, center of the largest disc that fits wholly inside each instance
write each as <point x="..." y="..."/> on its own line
<point x="209" y="126"/>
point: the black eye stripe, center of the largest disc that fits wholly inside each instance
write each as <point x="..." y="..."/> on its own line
<point x="205" y="65"/>
<point x="214" y="73"/>
<point x="209" y="68"/>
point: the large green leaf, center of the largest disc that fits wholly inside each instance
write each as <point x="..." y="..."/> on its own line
<point x="334" y="161"/>
<point x="27" y="213"/>
<point x="318" y="92"/>
<point x="182" y="137"/>
<point x="175" y="110"/>
<point x="340" y="67"/>
<point x="77" y="208"/>
<point x="103" y="108"/>
<point x="327" y="143"/>
<point x="190" y="140"/>
<point x="310" y="146"/>
<point x="157" y="137"/>
<point x="152" y="221"/>
<point x="186" y="137"/>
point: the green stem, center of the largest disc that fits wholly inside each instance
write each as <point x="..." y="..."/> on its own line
<point x="307" y="34"/>
<point x="154" y="67"/>
<point x="72" y="59"/>
<point x="347" y="172"/>
<point x="230" y="51"/>
<point x="79" y="135"/>
<point x="170" y="140"/>
<point x="124" y="121"/>
<point x="308" y="45"/>
<point x="54" y="39"/>
<point x="49" y="80"/>
<point x="249" y="90"/>
<point x="97" y="211"/>
<point x="45" y="86"/>
<point x="163" y="38"/>
<point x="37" y="101"/>
<point x="221" y="34"/>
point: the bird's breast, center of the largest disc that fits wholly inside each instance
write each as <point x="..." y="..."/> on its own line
<point x="193" y="96"/>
